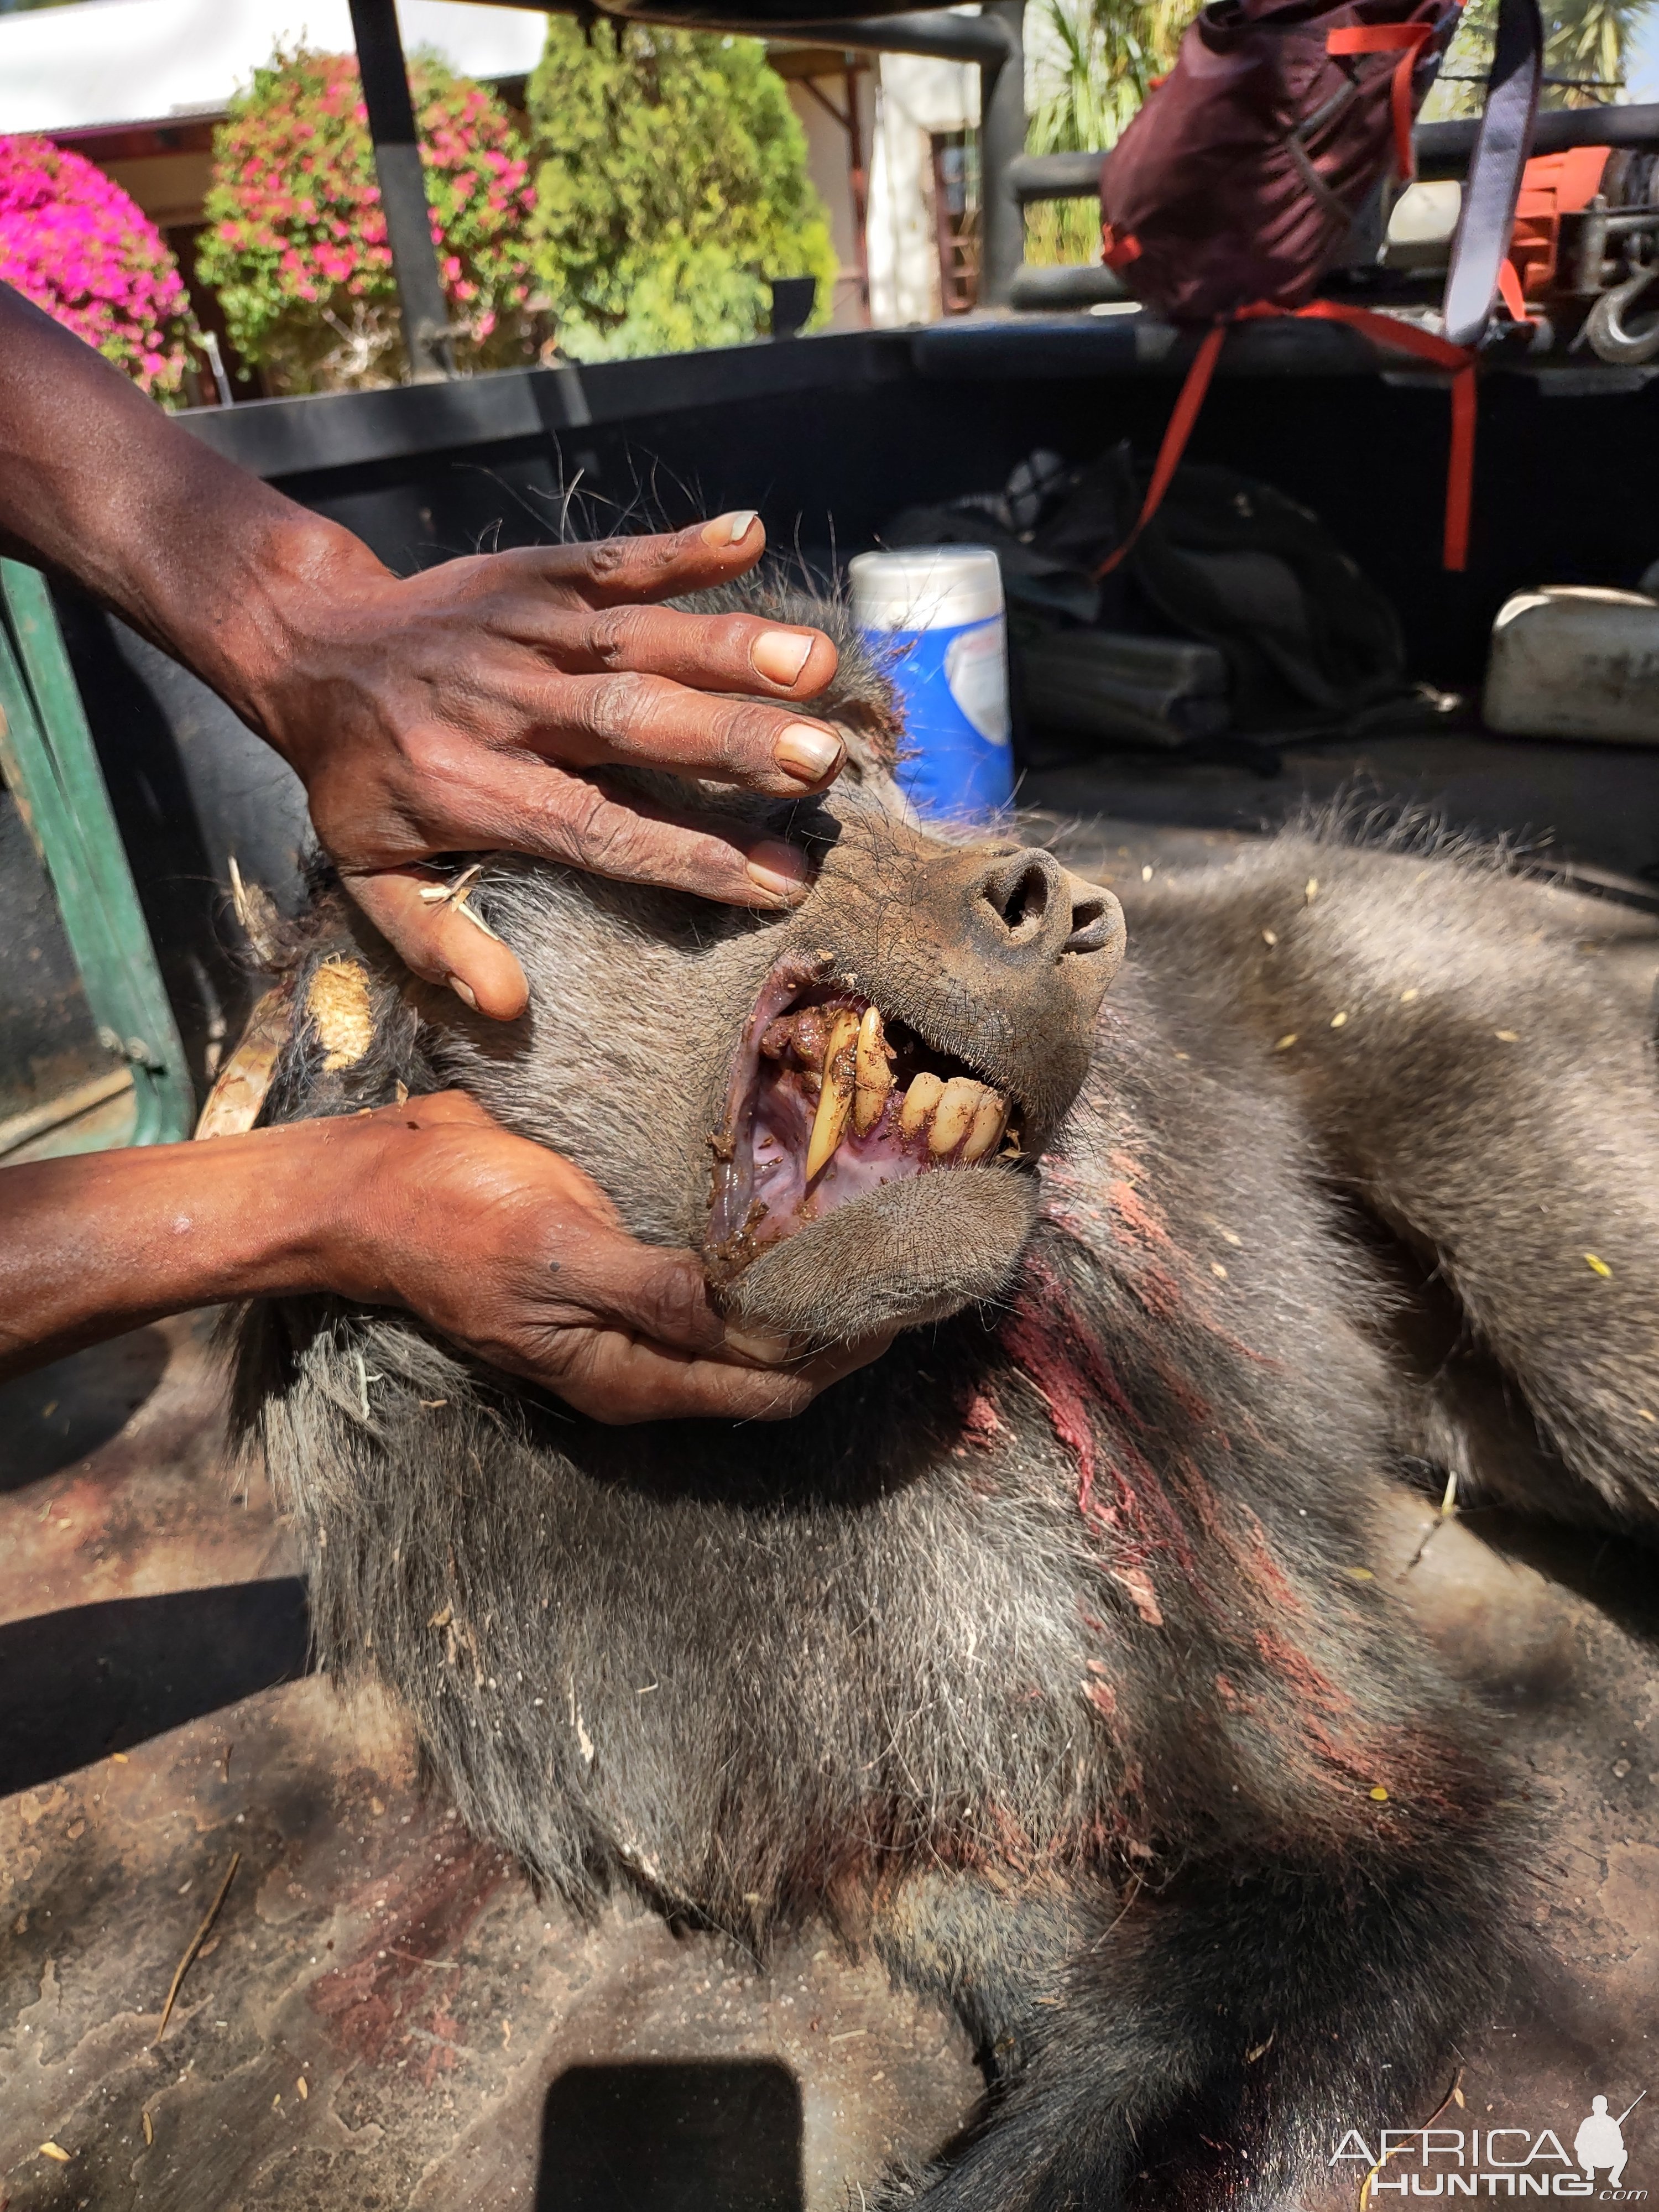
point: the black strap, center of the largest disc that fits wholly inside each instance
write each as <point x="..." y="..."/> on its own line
<point x="1493" y="185"/>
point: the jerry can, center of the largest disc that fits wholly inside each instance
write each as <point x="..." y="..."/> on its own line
<point x="1576" y="660"/>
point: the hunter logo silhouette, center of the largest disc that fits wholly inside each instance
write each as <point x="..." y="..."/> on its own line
<point x="1599" y="2140"/>
<point x="1489" y="2161"/>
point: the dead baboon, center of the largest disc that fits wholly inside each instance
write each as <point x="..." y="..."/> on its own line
<point x="1036" y="1654"/>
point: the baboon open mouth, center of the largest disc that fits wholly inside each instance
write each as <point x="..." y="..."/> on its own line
<point x="828" y="1101"/>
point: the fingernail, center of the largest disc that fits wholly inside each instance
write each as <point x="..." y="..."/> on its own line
<point x="779" y="871"/>
<point x="727" y="528"/>
<point x="464" y="992"/>
<point x="756" y="1344"/>
<point x="808" y="753"/>
<point x="780" y="655"/>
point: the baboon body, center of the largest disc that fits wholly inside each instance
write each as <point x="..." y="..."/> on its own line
<point x="1043" y="1654"/>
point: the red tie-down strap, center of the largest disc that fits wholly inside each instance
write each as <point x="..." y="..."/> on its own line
<point x="1176" y="433"/>
<point x="1387" y="39"/>
<point x="1385" y="330"/>
<point x="1389" y="330"/>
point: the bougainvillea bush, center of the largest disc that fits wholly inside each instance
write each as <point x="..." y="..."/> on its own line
<point x="296" y="244"/>
<point x="671" y="182"/>
<point x="75" y="244"/>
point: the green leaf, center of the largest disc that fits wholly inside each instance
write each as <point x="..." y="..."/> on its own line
<point x="671" y="182"/>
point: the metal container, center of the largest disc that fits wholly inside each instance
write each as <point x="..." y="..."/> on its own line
<point x="934" y="616"/>
<point x="1574" y="660"/>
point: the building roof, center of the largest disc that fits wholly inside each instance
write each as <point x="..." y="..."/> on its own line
<point x="109" y="65"/>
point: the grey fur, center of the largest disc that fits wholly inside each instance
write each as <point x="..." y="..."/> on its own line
<point x="1031" y="1654"/>
<point x="916" y="1252"/>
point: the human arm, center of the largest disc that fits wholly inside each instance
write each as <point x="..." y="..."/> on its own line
<point x="474" y="705"/>
<point x="430" y="1206"/>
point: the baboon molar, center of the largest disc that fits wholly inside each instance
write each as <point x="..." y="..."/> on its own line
<point x="1036" y="1653"/>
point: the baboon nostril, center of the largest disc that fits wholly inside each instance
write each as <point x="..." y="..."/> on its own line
<point x="1019" y="895"/>
<point x="1093" y="925"/>
<point x="1024" y="901"/>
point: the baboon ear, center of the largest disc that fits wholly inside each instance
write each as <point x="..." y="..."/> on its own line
<point x="874" y="740"/>
<point x="860" y="698"/>
<point x="339" y="1031"/>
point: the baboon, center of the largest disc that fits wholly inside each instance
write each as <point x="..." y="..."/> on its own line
<point x="1041" y="1655"/>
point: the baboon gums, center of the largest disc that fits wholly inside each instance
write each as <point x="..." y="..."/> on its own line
<point x="1039" y="1654"/>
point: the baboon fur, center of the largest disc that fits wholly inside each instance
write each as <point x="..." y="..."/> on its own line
<point x="1040" y="1654"/>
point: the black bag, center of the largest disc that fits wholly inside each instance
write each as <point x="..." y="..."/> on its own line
<point x="1309" y="644"/>
<point x="1311" y="647"/>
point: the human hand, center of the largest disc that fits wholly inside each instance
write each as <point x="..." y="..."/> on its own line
<point x="474" y="706"/>
<point x="477" y="705"/>
<point x="510" y="1251"/>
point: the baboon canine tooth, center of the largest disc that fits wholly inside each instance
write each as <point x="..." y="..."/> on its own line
<point x="925" y="1092"/>
<point x="873" y="1078"/>
<point x="953" y="1117"/>
<point x="836" y="1099"/>
<point x="986" y="1128"/>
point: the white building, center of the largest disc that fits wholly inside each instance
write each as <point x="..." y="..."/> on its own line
<point x="894" y="131"/>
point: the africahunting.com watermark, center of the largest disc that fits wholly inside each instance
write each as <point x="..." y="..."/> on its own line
<point x="1493" y="2161"/>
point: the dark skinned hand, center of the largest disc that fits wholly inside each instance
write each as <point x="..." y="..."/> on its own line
<point x="477" y="705"/>
<point x="509" y="1250"/>
<point x="473" y="707"/>
<point x="501" y="1245"/>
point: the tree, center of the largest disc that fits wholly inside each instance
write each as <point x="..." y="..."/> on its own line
<point x="72" y="241"/>
<point x="671" y="182"/>
<point x="1585" y="45"/>
<point x="297" y="249"/>
<point x="1093" y="61"/>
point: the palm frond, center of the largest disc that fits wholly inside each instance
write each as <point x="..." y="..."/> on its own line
<point x="1587" y="42"/>
<point x="1090" y="63"/>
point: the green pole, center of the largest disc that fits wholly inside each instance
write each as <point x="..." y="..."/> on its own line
<point x="49" y="761"/>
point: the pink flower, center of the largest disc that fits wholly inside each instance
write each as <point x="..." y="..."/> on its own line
<point x="297" y="222"/>
<point x="72" y="241"/>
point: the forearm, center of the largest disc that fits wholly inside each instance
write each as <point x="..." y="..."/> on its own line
<point x="92" y="1246"/>
<point x="495" y="1242"/>
<point x="203" y="558"/>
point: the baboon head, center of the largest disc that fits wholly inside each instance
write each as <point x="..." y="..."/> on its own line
<point x="841" y="1107"/>
<point x="917" y="1035"/>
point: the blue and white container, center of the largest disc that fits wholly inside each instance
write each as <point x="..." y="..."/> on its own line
<point x="933" y="616"/>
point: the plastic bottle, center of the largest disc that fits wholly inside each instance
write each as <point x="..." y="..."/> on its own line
<point x="934" y="616"/>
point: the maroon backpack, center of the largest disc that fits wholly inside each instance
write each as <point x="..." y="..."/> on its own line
<point x="1234" y="188"/>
